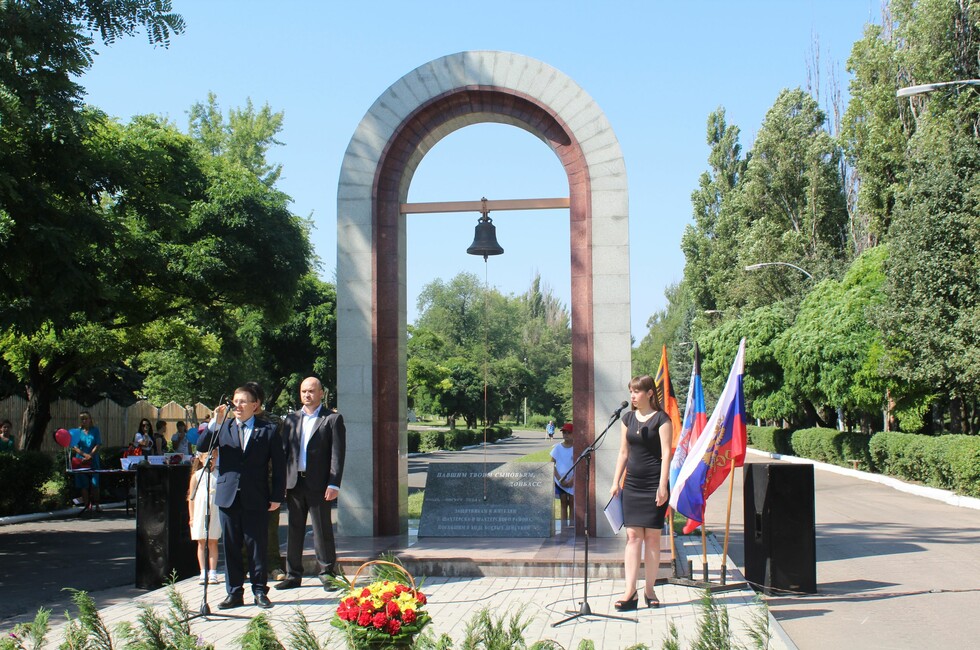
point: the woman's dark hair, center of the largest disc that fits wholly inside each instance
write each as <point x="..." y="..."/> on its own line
<point x="7" y="422"/>
<point x="147" y="422"/>
<point x="645" y="383"/>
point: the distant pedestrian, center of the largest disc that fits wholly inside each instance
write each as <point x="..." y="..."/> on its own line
<point x="563" y="458"/>
<point x="550" y="429"/>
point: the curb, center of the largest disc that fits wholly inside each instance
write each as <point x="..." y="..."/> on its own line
<point x="54" y="514"/>
<point x="947" y="497"/>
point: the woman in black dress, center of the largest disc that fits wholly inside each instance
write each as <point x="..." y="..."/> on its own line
<point x="644" y="451"/>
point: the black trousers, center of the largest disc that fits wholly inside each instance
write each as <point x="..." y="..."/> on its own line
<point x="250" y="528"/>
<point x="318" y="511"/>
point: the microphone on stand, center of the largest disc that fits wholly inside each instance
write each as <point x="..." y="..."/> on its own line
<point x="615" y="415"/>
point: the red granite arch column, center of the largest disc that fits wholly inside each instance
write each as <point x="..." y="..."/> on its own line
<point x="396" y="160"/>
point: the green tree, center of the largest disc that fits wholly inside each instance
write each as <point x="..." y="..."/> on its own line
<point x="709" y="243"/>
<point x="170" y="231"/>
<point x="933" y="311"/>
<point x="245" y="138"/>
<point x="792" y="203"/>
<point x="832" y="354"/>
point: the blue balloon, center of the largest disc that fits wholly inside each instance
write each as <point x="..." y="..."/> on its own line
<point x="192" y="435"/>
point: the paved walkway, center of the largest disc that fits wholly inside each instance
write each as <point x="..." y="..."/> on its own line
<point x="453" y="602"/>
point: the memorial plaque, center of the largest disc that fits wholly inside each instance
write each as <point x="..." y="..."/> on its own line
<point x="488" y="500"/>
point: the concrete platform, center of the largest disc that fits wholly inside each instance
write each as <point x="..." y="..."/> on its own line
<point x="455" y="600"/>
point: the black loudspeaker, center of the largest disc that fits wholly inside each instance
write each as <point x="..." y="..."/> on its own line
<point x="163" y="534"/>
<point x="780" y="527"/>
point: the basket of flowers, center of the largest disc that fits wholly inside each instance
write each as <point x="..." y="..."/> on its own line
<point x="387" y="613"/>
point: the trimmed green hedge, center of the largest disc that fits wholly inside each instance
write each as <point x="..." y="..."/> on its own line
<point x="833" y="446"/>
<point x="24" y="474"/>
<point x="949" y="462"/>
<point x="453" y="439"/>
<point x="771" y="439"/>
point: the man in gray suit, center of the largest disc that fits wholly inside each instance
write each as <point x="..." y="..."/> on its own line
<point x="315" y="441"/>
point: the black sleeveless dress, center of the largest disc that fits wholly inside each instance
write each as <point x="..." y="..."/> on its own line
<point x="643" y="468"/>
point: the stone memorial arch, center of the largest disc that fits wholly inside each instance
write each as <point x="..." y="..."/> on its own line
<point x="402" y="125"/>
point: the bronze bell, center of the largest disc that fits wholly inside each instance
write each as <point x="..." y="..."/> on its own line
<point x="485" y="239"/>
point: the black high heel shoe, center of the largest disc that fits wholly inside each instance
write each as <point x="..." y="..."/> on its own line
<point x="652" y="601"/>
<point x="628" y="605"/>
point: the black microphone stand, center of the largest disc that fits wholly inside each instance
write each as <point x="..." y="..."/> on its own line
<point x="586" y="455"/>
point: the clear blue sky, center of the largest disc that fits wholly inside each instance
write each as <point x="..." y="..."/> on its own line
<point x="656" y="69"/>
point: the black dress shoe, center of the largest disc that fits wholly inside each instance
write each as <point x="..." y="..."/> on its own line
<point x="263" y="601"/>
<point x="327" y="580"/>
<point x="289" y="583"/>
<point x="231" y="601"/>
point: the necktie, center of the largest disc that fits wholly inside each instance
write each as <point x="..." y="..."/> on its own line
<point x="241" y="435"/>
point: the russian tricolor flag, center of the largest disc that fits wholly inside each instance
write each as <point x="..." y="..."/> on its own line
<point x="711" y="458"/>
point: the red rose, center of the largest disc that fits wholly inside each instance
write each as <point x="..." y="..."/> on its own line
<point x="391" y="609"/>
<point x="387" y="596"/>
<point x="364" y="618"/>
<point x="379" y="620"/>
<point x="400" y="589"/>
<point x="408" y="616"/>
<point x="420" y="597"/>
<point x="393" y="627"/>
<point x="365" y="593"/>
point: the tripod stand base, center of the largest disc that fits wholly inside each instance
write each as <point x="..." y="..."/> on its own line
<point x="585" y="610"/>
<point x="713" y="587"/>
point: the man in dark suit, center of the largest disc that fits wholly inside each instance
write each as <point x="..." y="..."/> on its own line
<point x="315" y="443"/>
<point x="248" y="448"/>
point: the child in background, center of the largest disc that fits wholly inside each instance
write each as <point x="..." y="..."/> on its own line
<point x="563" y="459"/>
<point x="197" y="506"/>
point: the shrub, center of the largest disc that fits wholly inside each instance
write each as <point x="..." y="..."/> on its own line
<point x="771" y="439"/>
<point x="431" y="440"/>
<point x="413" y="441"/>
<point x="950" y="462"/>
<point x="26" y="472"/>
<point x="451" y="440"/>
<point x="833" y="446"/>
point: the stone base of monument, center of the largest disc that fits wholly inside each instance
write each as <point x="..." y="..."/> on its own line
<point x="555" y="557"/>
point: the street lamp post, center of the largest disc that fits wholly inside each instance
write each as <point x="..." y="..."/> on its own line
<point x="922" y="89"/>
<point x="753" y="267"/>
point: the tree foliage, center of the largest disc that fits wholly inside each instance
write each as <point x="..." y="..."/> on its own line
<point x="466" y="333"/>
<point x="890" y="318"/>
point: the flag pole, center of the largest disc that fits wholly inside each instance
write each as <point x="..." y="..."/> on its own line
<point x="728" y="520"/>
<point x="673" y="545"/>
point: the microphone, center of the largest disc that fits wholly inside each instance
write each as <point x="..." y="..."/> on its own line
<point x="615" y="415"/>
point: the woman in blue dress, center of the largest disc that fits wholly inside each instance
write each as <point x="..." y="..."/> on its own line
<point x="85" y="443"/>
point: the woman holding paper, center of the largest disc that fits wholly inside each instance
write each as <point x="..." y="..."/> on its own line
<point x="641" y="476"/>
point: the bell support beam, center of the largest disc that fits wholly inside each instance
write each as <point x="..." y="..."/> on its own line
<point x="481" y="206"/>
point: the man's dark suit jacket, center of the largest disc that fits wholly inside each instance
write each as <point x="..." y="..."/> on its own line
<point x="324" y="453"/>
<point x="249" y="471"/>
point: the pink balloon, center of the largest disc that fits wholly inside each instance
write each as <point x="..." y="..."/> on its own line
<point x="62" y="437"/>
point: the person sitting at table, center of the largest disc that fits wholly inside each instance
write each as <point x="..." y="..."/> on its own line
<point x="85" y="442"/>
<point x="144" y="437"/>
